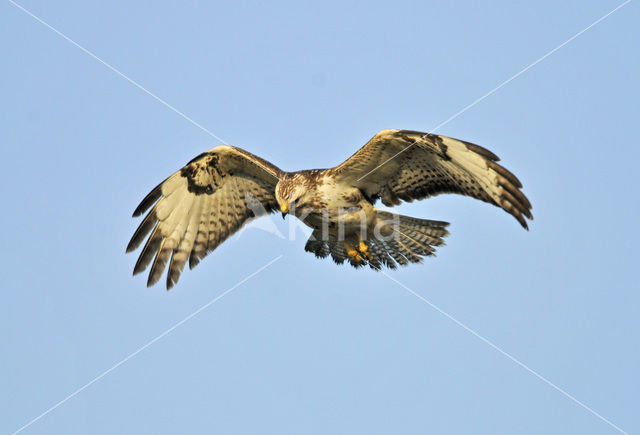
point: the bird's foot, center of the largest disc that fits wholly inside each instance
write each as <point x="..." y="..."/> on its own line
<point x="364" y="250"/>
<point x="358" y="253"/>
<point x="352" y="252"/>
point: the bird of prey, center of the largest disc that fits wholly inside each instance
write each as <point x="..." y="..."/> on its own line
<point x="200" y="206"/>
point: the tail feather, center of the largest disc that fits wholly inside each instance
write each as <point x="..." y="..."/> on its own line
<point x="411" y="242"/>
<point x="432" y="238"/>
<point x="405" y="240"/>
<point x="396" y="252"/>
<point x="416" y="237"/>
<point x="316" y="245"/>
<point x="380" y="255"/>
<point x="408" y="252"/>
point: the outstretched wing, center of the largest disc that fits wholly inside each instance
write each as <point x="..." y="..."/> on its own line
<point x="199" y="207"/>
<point x="405" y="165"/>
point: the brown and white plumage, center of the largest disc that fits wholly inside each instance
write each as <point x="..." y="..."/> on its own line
<point x="408" y="165"/>
<point x="199" y="207"/>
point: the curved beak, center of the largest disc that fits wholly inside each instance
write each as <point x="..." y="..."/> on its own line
<point x="284" y="209"/>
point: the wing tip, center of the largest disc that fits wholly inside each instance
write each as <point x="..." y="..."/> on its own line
<point x="521" y="217"/>
<point x="482" y="151"/>
<point x="148" y="200"/>
<point x="507" y="174"/>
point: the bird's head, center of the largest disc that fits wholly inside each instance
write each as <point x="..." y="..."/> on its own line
<point x="289" y="195"/>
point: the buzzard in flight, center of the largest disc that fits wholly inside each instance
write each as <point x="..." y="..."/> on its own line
<point x="200" y="206"/>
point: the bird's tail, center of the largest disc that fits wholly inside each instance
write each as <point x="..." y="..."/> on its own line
<point x="394" y="239"/>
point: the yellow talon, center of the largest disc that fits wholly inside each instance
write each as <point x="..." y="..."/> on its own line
<point x="352" y="252"/>
<point x="364" y="250"/>
<point x="354" y="255"/>
<point x="360" y="253"/>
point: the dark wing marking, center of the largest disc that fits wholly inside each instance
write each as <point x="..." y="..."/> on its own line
<point x="404" y="165"/>
<point x="199" y="207"/>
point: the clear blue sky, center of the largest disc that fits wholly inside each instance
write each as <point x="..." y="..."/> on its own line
<point x="307" y="346"/>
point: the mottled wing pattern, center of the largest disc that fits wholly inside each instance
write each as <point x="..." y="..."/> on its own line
<point x="404" y="165"/>
<point x="199" y="207"/>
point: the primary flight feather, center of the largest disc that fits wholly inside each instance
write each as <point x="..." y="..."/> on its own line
<point x="200" y="206"/>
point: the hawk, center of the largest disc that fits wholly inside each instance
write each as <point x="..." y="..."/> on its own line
<point x="200" y="206"/>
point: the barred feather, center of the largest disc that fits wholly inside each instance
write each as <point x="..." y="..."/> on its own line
<point x="404" y="165"/>
<point x="198" y="207"/>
